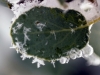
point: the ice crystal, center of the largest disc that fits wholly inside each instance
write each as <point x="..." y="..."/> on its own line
<point x="38" y="61"/>
<point x="87" y="50"/>
<point x="63" y="60"/>
<point x="39" y="25"/>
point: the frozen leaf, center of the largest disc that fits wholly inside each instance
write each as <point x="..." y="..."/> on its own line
<point x="49" y="34"/>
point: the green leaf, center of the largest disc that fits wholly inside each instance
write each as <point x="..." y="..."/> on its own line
<point x="49" y="33"/>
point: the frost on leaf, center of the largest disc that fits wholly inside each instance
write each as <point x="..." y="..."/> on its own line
<point x="51" y="34"/>
<point x="45" y="30"/>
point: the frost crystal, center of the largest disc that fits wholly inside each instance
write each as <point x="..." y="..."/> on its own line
<point x="25" y="31"/>
<point x="40" y="26"/>
<point x="72" y="54"/>
<point x="38" y="61"/>
<point x="14" y="30"/>
<point x="19" y="25"/>
<point x="53" y="62"/>
<point x="87" y="51"/>
<point x="63" y="60"/>
<point x="13" y="1"/>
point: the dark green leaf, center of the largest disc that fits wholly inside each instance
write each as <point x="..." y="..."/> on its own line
<point x="50" y="33"/>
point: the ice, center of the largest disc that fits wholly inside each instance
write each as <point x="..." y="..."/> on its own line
<point x="39" y="25"/>
<point x="90" y="27"/>
<point x="78" y="5"/>
<point x="19" y="45"/>
<point x="25" y="31"/>
<point x="14" y="30"/>
<point x="53" y="32"/>
<point x="38" y="61"/>
<point x="13" y="1"/>
<point x="67" y="59"/>
<point x="19" y="25"/>
<point x="87" y="50"/>
<point x="63" y="60"/>
<point x="13" y="46"/>
<point x="53" y="62"/>
<point x="82" y="7"/>
<point x="19" y="9"/>
<point x="93" y="59"/>
<point x="72" y="53"/>
<point x="78" y="54"/>
<point x="23" y="56"/>
<point x="86" y="5"/>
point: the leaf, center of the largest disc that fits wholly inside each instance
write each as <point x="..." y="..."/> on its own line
<point x="49" y="33"/>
